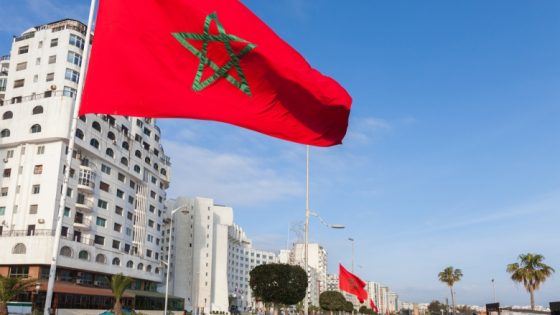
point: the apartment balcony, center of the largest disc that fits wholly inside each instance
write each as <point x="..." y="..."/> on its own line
<point x="19" y="233"/>
<point x="82" y="223"/>
<point x="84" y="205"/>
<point x="86" y="179"/>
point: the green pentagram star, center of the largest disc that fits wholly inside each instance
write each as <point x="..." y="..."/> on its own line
<point x="220" y="72"/>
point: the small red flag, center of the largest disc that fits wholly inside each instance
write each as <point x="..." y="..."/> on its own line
<point x="350" y="283"/>
<point x="373" y="306"/>
<point x="210" y="60"/>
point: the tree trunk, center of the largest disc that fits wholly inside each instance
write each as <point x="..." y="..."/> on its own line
<point x="452" y="299"/>
<point x="3" y="308"/>
<point x="532" y="293"/>
<point x="118" y="308"/>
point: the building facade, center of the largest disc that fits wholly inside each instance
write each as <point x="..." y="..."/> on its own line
<point x="242" y="258"/>
<point x="115" y="203"/>
<point x="199" y="253"/>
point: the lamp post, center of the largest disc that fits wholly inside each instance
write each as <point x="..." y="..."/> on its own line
<point x="352" y="240"/>
<point x="306" y="237"/>
<point x="168" y="264"/>
<point x="493" y="290"/>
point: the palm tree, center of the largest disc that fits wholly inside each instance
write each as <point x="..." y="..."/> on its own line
<point x="10" y="288"/>
<point x="119" y="284"/>
<point x="531" y="271"/>
<point x="450" y="276"/>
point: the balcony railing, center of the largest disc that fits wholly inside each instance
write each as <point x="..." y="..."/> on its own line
<point x="17" y="233"/>
<point x="5" y="57"/>
<point x="37" y="96"/>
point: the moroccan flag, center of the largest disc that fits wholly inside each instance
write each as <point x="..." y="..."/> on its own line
<point x="350" y="283"/>
<point x="373" y="306"/>
<point x="211" y="60"/>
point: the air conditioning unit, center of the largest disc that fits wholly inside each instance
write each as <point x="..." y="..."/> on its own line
<point x="53" y="87"/>
<point x="79" y="281"/>
<point x="97" y="283"/>
<point x="5" y="160"/>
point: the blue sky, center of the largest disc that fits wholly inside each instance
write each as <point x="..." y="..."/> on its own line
<point x="452" y="155"/>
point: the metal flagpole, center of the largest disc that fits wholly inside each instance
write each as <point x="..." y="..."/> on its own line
<point x="306" y="245"/>
<point x="76" y="109"/>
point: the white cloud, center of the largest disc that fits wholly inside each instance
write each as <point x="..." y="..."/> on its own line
<point x="229" y="178"/>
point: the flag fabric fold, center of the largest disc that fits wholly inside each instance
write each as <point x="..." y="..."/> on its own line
<point x="350" y="283"/>
<point x="210" y="60"/>
<point x="373" y="306"/>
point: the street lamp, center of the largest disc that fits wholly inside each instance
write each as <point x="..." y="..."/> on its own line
<point x="352" y="240"/>
<point x="168" y="264"/>
<point x="494" y="290"/>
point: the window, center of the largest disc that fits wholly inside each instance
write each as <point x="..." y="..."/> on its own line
<point x="74" y="58"/>
<point x="10" y="154"/>
<point x="109" y="152"/>
<point x="66" y="251"/>
<point x="7" y="172"/>
<point x="3" y="84"/>
<point x="72" y="75"/>
<point x="105" y="169"/>
<point x="5" y="133"/>
<point x="20" y="271"/>
<point x="129" y="264"/>
<point x="128" y="231"/>
<point x="102" y="204"/>
<point x="76" y="41"/>
<point x="116" y="244"/>
<point x="111" y="136"/>
<point x="19" y="83"/>
<point x="83" y="255"/>
<point x="118" y="210"/>
<point x="124" y="161"/>
<point x="130" y="199"/>
<point x="120" y="193"/>
<point x="104" y="186"/>
<point x="21" y="66"/>
<point x="116" y="261"/>
<point x="94" y="143"/>
<point x="50" y="76"/>
<point x="125" y="145"/>
<point x="126" y="248"/>
<point x="150" y="238"/>
<point x="3" y="191"/>
<point x="100" y="259"/>
<point x="66" y="212"/>
<point x="101" y="222"/>
<point x="137" y="168"/>
<point x="54" y="42"/>
<point x="37" y="110"/>
<point x="147" y="131"/>
<point x="79" y="134"/>
<point x="2" y="210"/>
<point x="99" y="240"/>
<point x="129" y="216"/>
<point x="33" y="209"/>
<point x="117" y="227"/>
<point x="38" y="169"/>
<point x="52" y="59"/>
<point x="36" y="128"/>
<point x="140" y="266"/>
<point x="68" y="91"/>
<point x="95" y="125"/>
<point x="151" y="223"/>
<point x="138" y="154"/>
<point x="35" y="189"/>
<point x="41" y="148"/>
<point x="149" y="254"/>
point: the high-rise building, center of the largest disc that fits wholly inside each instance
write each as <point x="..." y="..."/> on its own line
<point x="114" y="205"/>
<point x="317" y="268"/>
<point x="242" y="258"/>
<point x="4" y="67"/>
<point x="199" y="253"/>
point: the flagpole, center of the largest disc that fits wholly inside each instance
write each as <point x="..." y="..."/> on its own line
<point x="306" y="245"/>
<point x="71" y="138"/>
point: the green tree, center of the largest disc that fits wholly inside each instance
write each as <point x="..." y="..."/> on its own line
<point x="531" y="271"/>
<point x="349" y="307"/>
<point x="332" y="301"/>
<point x="10" y="288"/>
<point x="366" y="310"/>
<point x="119" y="283"/>
<point x="450" y="276"/>
<point x="435" y="307"/>
<point x="278" y="283"/>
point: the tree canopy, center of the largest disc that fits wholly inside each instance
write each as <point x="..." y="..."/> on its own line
<point x="278" y="283"/>
<point x="531" y="271"/>
<point x="332" y="301"/>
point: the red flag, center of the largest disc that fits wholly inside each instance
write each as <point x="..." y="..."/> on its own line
<point x="211" y="60"/>
<point x="352" y="284"/>
<point x="373" y="306"/>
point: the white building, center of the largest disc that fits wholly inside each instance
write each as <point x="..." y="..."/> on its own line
<point x="4" y="67"/>
<point x="317" y="268"/>
<point x="242" y="258"/>
<point x="119" y="174"/>
<point x="200" y="254"/>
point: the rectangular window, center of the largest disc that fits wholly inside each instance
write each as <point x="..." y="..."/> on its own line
<point x="99" y="240"/>
<point x="7" y="172"/>
<point x="126" y="248"/>
<point x="102" y="204"/>
<point x="3" y="84"/>
<point x="105" y="169"/>
<point x="76" y="41"/>
<point x="116" y="244"/>
<point x="33" y="209"/>
<point x="21" y="66"/>
<point x="19" y="271"/>
<point x="147" y="131"/>
<point x="132" y="184"/>
<point x="129" y="216"/>
<point x="23" y="50"/>
<point x="104" y="186"/>
<point x="152" y="208"/>
<point x="40" y="150"/>
<point x="151" y="223"/>
<point x="72" y="75"/>
<point x="101" y="222"/>
<point x="3" y="191"/>
<point x="149" y="253"/>
<point x="130" y="199"/>
<point x="52" y="59"/>
<point x="38" y="169"/>
<point x="117" y="227"/>
<point x="121" y="177"/>
<point x="118" y="210"/>
<point x="150" y="238"/>
<point x="35" y="189"/>
<point x="120" y="193"/>
<point x="128" y="231"/>
<point x="66" y="212"/>
<point x="74" y="58"/>
<point x="50" y="77"/>
<point x="54" y="42"/>
<point x="70" y="92"/>
<point x="2" y="210"/>
<point x="38" y="61"/>
<point x="64" y="231"/>
<point x="19" y="83"/>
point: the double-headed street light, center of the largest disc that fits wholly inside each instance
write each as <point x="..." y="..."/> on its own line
<point x="168" y="263"/>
